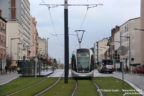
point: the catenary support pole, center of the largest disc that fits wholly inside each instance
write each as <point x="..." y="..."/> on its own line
<point x="66" y="41"/>
<point x="121" y="62"/>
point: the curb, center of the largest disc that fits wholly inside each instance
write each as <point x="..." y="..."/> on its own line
<point x="131" y="84"/>
<point x="10" y="80"/>
<point x="39" y="75"/>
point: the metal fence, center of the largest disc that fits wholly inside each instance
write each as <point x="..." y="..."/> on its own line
<point x="29" y="67"/>
<point x="2" y="65"/>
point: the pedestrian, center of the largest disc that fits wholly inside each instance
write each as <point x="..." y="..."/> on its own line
<point x="6" y="68"/>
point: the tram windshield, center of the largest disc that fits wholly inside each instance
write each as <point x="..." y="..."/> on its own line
<point x="83" y="59"/>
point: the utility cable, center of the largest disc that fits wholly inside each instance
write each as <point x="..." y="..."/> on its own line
<point x="83" y="21"/>
<point x="51" y="19"/>
<point x="52" y="24"/>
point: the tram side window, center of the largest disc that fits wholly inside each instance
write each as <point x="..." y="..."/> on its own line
<point x="92" y="63"/>
<point x="74" y="63"/>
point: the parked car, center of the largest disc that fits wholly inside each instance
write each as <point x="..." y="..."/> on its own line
<point x="139" y="69"/>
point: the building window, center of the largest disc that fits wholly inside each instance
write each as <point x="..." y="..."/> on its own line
<point x="126" y="28"/>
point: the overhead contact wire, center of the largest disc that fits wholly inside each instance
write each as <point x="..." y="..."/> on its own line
<point x="52" y="21"/>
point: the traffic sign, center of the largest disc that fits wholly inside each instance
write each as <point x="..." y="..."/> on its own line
<point x="122" y="50"/>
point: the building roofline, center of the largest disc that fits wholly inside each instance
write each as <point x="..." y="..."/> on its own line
<point x="130" y="20"/>
<point x="104" y="39"/>
<point x="123" y="24"/>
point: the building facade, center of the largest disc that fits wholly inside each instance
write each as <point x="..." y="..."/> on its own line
<point x="42" y="46"/>
<point x="142" y="31"/>
<point x="3" y="49"/>
<point x="129" y="38"/>
<point x="16" y="50"/>
<point x="34" y="37"/>
<point x="114" y="43"/>
<point x="100" y="49"/>
<point x="17" y="13"/>
<point x="18" y="10"/>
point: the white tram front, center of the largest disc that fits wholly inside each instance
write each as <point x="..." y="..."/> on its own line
<point x="82" y="63"/>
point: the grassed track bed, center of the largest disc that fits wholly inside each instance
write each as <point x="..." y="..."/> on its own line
<point x="111" y="86"/>
<point x="61" y="89"/>
<point x="18" y="84"/>
<point x="35" y="89"/>
<point x="86" y="88"/>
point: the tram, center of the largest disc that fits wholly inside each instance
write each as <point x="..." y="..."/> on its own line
<point x="82" y="62"/>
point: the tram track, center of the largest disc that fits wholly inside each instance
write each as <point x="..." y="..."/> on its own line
<point x="97" y="87"/>
<point x="48" y="88"/>
<point x="41" y="81"/>
<point x="93" y="83"/>
<point x="75" y="89"/>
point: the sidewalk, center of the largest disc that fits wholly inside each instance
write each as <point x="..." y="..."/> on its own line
<point x="134" y="80"/>
<point x="46" y="72"/>
<point x="5" y="78"/>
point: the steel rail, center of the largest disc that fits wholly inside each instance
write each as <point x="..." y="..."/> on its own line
<point x="76" y="87"/>
<point x="37" y="83"/>
<point x="98" y="89"/>
<point x="51" y="86"/>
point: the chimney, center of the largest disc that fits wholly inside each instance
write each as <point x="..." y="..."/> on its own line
<point x="0" y="13"/>
<point x="13" y="10"/>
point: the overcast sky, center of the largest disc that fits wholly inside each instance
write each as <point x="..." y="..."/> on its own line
<point x="98" y="23"/>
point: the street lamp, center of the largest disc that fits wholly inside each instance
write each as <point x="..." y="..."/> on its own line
<point x="121" y="54"/>
<point x="128" y="37"/>
<point x="47" y="46"/>
<point x="113" y="58"/>
<point x="47" y="53"/>
<point x="121" y="58"/>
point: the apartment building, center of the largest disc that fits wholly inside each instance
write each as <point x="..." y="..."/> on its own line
<point x="15" y="41"/>
<point x="42" y="46"/>
<point x="18" y="10"/>
<point x="114" y="44"/>
<point x="17" y="13"/>
<point x="100" y="49"/>
<point x="142" y="31"/>
<point x="34" y="37"/>
<point x="129" y="37"/>
<point x="3" y="49"/>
